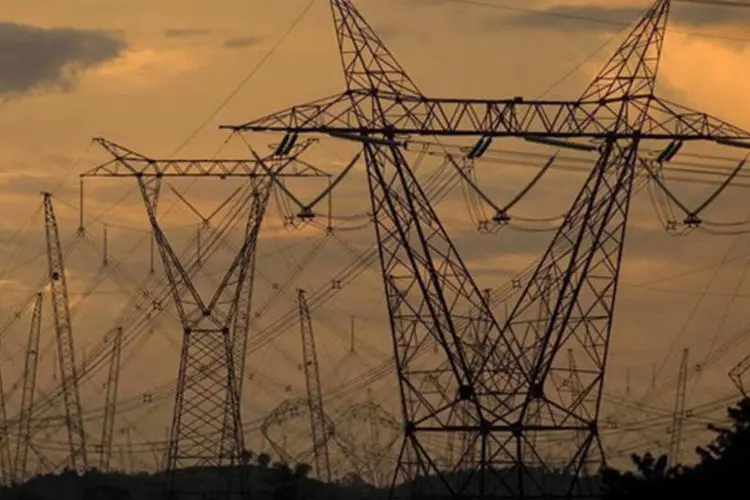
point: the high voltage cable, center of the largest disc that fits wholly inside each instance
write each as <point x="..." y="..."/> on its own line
<point x="247" y="78"/>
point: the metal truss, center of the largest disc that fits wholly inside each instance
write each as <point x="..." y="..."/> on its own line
<point x="318" y="418"/>
<point x="65" y="345"/>
<point x="533" y="437"/>
<point x="206" y="428"/>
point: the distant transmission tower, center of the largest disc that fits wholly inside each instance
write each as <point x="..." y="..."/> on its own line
<point x="678" y="416"/>
<point x="65" y="344"/>
<point x="429" y="289"/>
<point x="31" y="363"/>
<point x="206" y="428"/>
<point x="318" y="419"/>
<point x="110" y="402"/>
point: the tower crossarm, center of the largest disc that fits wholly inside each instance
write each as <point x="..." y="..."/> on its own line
<point x="406" y="115"/>
<point x="127" y="163"/>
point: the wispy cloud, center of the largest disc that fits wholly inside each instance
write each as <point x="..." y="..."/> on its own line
<point x="241" y="42"/>
<point x="187" y="32"/>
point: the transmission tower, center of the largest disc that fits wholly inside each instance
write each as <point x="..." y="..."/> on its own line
<point x="367" y="435"/>
<point x="428" y="288"/>
<point x="206" y="427"/>
<point x="65" y="344"/>
<point x="678" y="415"/>
<point x="110" y="402"/>
<point x="290" y="417"/>
<point x="27" y="394"/>
<point x="318" y="418"/>
<point x="737" y="374"/>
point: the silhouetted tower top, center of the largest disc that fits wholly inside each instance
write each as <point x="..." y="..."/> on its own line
<point x="367" y="62"/>
<point x="633" y="68"/>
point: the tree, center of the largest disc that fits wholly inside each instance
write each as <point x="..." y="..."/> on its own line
<point x="302" y="470"/>
<point x="723" y="466"/>
<point x="264" y="460"/>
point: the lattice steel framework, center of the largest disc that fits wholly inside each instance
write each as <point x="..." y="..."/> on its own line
<point x="110" y="401"/>
<point x="318" y="419"/>
<point x="674" y="456"/>
<point x="28" y="391"/>
<point x="65" y="345"/>
<point x="206" y="428"/>
<point x="429" y="290"/>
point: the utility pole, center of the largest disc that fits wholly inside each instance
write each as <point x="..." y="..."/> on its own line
<point x="65" y="345"/>
<point x="206" y="428"/>
<point x="428" y="288"/>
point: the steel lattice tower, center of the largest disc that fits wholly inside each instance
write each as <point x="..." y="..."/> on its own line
<point x="110" y="402"/>
<point x="31" y="363"/>
<point x="318" y="419"/>
<point x="674" y="455"/>
<point x="430" y="292"/>
<point x="65" y="344"/>
<point x="206" y="429"/>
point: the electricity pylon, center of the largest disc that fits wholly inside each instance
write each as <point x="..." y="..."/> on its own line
<point x="674" y="456"/>
<point x="65" y="345"/>
<point x="110" y="402"/>
<point x="318" y="419"/>
<point x="31" y="363"/>
<point x="206" y="428"/>
<point x="428" y="288"/>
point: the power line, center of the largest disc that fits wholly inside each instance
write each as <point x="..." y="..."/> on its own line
<point x="247" y="78"/>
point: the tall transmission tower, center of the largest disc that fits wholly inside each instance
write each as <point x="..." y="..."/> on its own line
<point x="367" y="435"/>
<point x="318" y="419"/>
<point x="206" y="428"/>
<point x="28" y="391"/>
<point x="65" y="345"/>
<point x="110" y="402"/>
<point x="428" y="288"/>
<point x="678" y="415"/>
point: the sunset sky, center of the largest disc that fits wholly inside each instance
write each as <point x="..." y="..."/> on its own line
<point x="151" y="75"/>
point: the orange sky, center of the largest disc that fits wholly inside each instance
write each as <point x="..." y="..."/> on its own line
<point x="173" y="62"/>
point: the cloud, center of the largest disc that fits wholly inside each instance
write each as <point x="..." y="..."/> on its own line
<point x="600" y="17"/>
<point x="241" y="42"/>
<point x="33" y="58"/>
<point x="187" y="32"/>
